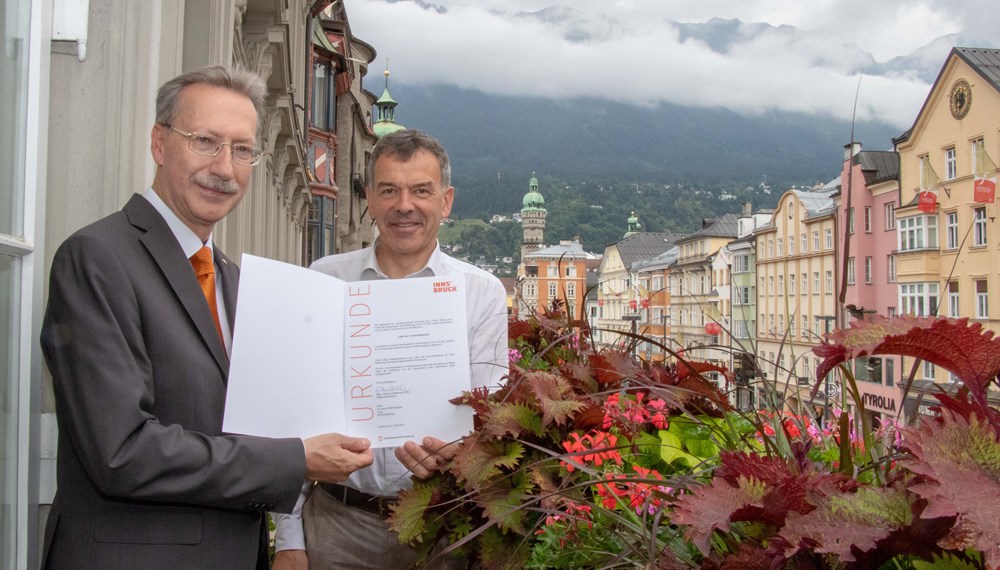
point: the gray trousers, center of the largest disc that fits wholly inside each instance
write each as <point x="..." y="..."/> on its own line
<point x="339" y="537"/>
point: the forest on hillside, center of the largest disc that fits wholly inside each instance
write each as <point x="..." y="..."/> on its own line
<point x="596" y="213"/>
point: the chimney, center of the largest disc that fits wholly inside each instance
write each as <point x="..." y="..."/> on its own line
<point x="851" y="150"/>
<point x="747" y="208"/>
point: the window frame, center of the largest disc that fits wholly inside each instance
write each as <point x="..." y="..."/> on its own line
<point x="917" y="233"/>
<point x="329" y="102"/>
<point x="890" y="216"/>
<point x="919" y="299"/>
<point x="951" y="230"/>
<point x="980" y="230"/>
<point x="982" y="299"/>
<point x="954" y="299"/>
<point x="27" y="424"/>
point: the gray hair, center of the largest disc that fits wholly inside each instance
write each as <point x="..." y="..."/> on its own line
<point x="403" y="145"/>
<point x="236" y="79"/>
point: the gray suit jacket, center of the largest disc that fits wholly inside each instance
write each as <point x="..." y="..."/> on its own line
<point x="146" y="478"/>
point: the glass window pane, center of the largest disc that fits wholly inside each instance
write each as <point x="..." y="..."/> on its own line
<point x="329" y="207"/>
<point x="13" y="89"/>
<point x="320" y="95"/>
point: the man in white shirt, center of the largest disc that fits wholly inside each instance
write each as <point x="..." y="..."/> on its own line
<point x="409" y="192"/>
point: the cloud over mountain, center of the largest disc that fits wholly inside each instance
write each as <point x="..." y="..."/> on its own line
<point x="752" y="57"/>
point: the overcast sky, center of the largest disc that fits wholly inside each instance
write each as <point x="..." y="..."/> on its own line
<point x="630" y="50"/>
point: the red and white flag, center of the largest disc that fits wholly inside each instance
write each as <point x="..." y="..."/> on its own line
<point x="927" y="202"/>
<point x="984" y="190"/>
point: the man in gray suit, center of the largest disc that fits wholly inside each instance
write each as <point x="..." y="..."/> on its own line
<point x="138" y="348"/>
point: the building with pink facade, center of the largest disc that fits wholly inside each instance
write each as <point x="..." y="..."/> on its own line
<point x="866" y="217"/>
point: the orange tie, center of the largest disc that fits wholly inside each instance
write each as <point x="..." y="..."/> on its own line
<point x="204" y="269"/>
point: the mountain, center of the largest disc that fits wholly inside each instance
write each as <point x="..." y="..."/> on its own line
<point x="497" y="142"/>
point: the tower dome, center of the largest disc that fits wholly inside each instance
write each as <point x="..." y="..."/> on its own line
<point x="533" y="200"/>
<point x="386" y="108"/>
<point x="633" y="225"/>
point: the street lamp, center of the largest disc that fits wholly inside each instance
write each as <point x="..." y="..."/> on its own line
<point x="664" y="331"/>
<point x="633" y="318"/>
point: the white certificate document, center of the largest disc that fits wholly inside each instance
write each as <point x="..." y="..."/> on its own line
<point x="378" y="359"/>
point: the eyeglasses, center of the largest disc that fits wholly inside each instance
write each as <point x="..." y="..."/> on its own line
<point x="208" y="145"/>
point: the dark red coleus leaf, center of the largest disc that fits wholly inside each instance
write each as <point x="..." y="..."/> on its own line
<point x="522" y="330"/>
<point x="769" y="469"/>
<point x="967" y="350"/>
<point x="611" y="366"/>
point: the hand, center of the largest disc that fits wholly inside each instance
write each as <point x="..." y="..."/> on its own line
<point x="290" y="560"/>
<point x="423" y="460"/>
<point x="331" y="457"/>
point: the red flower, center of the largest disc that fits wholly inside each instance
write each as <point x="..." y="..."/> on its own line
<point x="601" y="445"/>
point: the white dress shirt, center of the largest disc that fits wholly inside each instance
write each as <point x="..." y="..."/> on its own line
<point x="191" y="243"/>
<point x="486" y="309"/>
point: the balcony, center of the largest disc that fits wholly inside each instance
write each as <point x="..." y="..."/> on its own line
<point x="918" y="265"/>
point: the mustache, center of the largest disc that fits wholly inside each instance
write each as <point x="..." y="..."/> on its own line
<point x="216" y="183"/>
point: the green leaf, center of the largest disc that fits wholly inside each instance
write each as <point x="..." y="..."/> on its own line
<point x="648" y="446"/>
<point x="703" y="448"/>
<point x="407" y="517"/>
<point x="671" y="449"/>
<point x="503" y="501"/>
<point x="500" y="550"/>
<point x="484" y="460"/>
<point x="945" y="561"/>
<point x="741" y="424"/>
<point x="514" y="420"/>
<point x="695" y="436"/>
<point x="687" y="428"/>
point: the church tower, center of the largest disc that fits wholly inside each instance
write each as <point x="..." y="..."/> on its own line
<point x="385" y="108"/>
<point x="533" y="218"/>
<point x="633" y="225"/>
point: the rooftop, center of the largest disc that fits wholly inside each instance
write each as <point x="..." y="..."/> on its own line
<point x="642" y="246"/>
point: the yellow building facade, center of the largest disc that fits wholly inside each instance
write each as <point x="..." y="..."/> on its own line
<point x="949" y="258"/>
<point x="796" y="293"/>
<point x="699" y="310"/>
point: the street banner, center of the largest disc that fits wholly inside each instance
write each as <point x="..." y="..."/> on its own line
<point x="984" y="190"/>
<point x="927" y="202"/>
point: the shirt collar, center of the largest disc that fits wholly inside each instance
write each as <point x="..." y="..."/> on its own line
<point x="433" y="267"/>
<point x="190" y="243"/>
